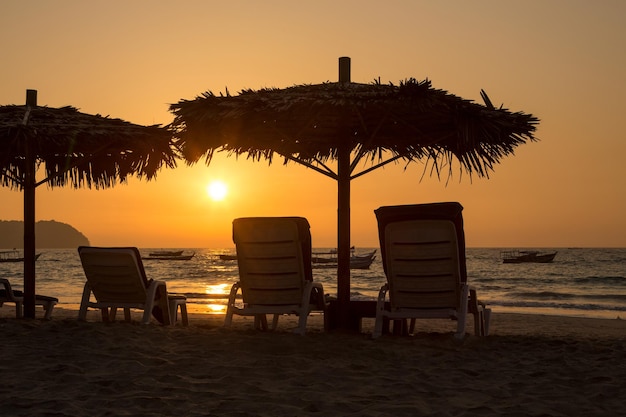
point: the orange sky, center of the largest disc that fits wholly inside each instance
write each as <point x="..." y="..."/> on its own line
<point x="562" y="61"/>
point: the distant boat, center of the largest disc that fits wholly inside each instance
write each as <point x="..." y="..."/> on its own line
<point x="14" y="256"/>
<point x="527" y="256"/>
<point x="166" y="253"/>
<point x="169" y="256"/>
<point x="329" y="259"/>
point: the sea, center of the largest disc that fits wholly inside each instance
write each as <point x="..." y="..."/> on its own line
<point x="580" y="282"/>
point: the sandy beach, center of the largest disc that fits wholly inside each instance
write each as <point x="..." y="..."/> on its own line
<point x="530" y="365"/>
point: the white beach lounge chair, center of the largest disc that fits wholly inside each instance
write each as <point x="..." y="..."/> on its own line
<point x="9" y="295"/>
<point x="117" y="279"/>
<point x="423" y="252"/>
<point x="275" y="275"/>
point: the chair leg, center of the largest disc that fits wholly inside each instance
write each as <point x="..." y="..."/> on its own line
<point x="147" y="314"/>
<point x="174" y="303"/>
<point x="162" y="301"/>
<point x="275" y="321"/>
<point x="173" y="306"/>
<point x="482" y="319"/>
<point x="228" y="320"/>
<point x="82" y="313"/>
<point x="479" y="323"/>
<point x="19" y="309"/>
<point x="260" y="322"/>
<point x="460" y="330"/>
<point x="48" y="306"/>
<point x="460" y="327"/>
<point x="378" y="326"/>
<point x="399" y="327"/>
<point x="230" y="307"/>
<point x="380" y="306"/>
<point x="487" y="313"/>
<point x="302" y="323"/>
<point x="113" y="313"/>
<point x="183" y="314"/>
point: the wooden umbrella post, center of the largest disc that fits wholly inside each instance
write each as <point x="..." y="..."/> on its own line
<point x="344" y="69"/>
<point x="343" y="237"/>
<point x="29" y="213"/>
<point x="343" y="216"/>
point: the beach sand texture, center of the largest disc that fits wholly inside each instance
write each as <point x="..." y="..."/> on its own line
<point x="531" y="365"/>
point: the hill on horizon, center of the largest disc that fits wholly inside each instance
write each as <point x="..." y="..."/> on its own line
<point x="49" y="234"/>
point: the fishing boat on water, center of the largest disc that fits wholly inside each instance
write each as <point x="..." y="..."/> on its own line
<point x="527" y="256"/>
<point x="178" y="255"/>
<point x="166" y="253"/>
<point x="329" y="259"/>
<point x="14" y="256"/>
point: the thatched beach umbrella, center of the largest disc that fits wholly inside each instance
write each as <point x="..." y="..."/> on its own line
<point x="66" y="147"/>
<point x="351" y="123"/>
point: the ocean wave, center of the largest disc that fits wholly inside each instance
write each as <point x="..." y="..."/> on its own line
<point x="556" y="305"/>
<point x="614" y="280"/>
<point x="566" y="296"/>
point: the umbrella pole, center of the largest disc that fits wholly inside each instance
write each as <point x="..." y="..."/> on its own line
<point x="29" y="215"/>
<point x="343" y="217"/>
<point x="29" y="241"/>
<point x="343" y="237"/>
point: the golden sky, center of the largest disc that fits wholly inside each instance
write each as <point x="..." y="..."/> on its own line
<point x="561" y="60"/>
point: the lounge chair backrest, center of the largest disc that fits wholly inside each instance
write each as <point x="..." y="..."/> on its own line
<point x="274" y="258"/>
<point x="422" y="264"/>
<point x="423" y="254"/>
<point x="114" y="274"/>
<point x="451" y="211"/>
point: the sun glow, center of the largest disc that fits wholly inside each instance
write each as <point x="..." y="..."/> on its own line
<point x="217" y="190"/>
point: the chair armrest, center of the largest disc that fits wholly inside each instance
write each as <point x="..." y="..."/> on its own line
<point x="153" y="285"/>
<point x="9" y="292"/>
<point x="317" y="296"/>
<point x="382" y="294"/>
<point x="473" y="300"/>
<point x="233" y="293"/>
<point x="157" y="287"/>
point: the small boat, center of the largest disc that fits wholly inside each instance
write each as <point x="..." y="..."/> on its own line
<point x="14" y="256"/>
<point x="169" y="256"/>
<point x="166" y="253"/>
<point x="527" y="256"/>
<point x="329" y="259"/>
<point x="330" y="256"/>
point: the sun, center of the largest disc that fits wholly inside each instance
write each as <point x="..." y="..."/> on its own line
<point x="217" y="190"/>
